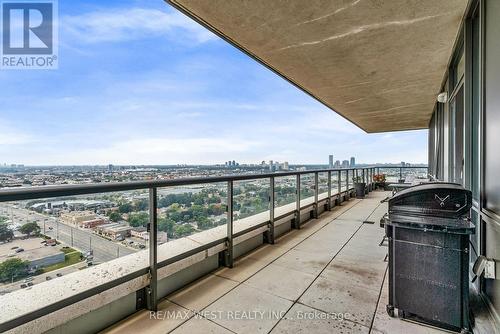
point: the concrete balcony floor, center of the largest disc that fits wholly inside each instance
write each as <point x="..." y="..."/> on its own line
<point x="332" y="268"/>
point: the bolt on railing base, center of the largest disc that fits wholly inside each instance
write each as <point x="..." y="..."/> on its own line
<point x="268" y="237"/>
<point x="315" y="212"/>
<point x="296" y="221"/>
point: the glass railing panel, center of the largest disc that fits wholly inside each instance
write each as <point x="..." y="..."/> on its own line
<point x="307" y="185"/>
<point x="344" y="180"/>
<point x="285" y="196"/>
<point x="46" y="239"/>
<point x="251" y="198"/>
<point x="323" y="185"/>
<point x="192" y="209"/>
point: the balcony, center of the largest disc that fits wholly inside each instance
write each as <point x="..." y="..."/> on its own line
<point x="318" y="256"/>
<point x="327" y="277"/>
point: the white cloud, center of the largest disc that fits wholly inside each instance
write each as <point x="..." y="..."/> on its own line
<point x="118" y="25"/>
<point x="159" y="150"/>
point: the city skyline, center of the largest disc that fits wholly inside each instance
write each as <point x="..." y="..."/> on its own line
<point x="193" y="100"/>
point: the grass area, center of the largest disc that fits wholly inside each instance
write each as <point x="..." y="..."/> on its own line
<point x="69" y="259"/>
<point x="67" y="250"/>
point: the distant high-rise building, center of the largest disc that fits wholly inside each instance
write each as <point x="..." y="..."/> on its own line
<point x="353" y="162"/>
<point x="345" y="164"/>
<point x="110" y="168"/>
<point x="403" y="163"/>
<point x="271" y="165"/>
<point x="337" y="164"/>
<point x="330" y="161"/>
<point x="285" y="165"/>
<point x="233" y="163"/>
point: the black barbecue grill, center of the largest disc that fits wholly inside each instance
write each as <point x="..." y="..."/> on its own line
<point x="428" y="231"/>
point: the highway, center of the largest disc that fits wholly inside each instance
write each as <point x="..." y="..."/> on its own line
<point x="83" y="240"/>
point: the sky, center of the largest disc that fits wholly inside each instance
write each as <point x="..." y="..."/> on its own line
<point x="140" y="83"/>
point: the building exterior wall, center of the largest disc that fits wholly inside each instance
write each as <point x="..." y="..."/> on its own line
<point x="479" y="45"/>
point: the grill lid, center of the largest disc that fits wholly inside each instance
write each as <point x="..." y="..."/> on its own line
<point x="436" y="199"/>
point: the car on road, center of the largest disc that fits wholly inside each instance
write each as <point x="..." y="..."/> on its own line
<point x="141" y="246"/>
<point x="48" y="278"/>
<point x="19" y="250"/>
<point x="23" y="286"/>
<point x="59" y="274"/>
<point x="29" y="284"/>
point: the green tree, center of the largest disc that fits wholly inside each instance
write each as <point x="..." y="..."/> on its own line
<point x="30" y="228"/>
<point x="141" y="205"/>
<point x="5" y="233"/>
<point x="182" y="230"/>
<point x="13" y="268"/>
<point x="138" y="219"/>
<point x="166" y="225"/>
<point x="3" y="219"/>
<point x="125" y="208"/>
<point x="114" y="216"/>
<point x="204" y="223"/>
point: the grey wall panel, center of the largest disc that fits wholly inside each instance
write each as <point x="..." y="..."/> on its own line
<point x="492" y="107"/>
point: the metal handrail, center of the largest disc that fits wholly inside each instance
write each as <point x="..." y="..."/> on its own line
<point x="26" y="193"/>
<point x="29" y="193"/>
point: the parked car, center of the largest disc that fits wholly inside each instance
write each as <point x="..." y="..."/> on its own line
<point x="59" y="274"/>
<point x="19" y="250"/>
<point x="23" y="286"/>
<point x="48" y="278"/>
<point x="141" y="246"/>
<point x="30" y="283"/>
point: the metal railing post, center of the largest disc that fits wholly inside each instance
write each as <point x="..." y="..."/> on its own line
<point x="329" y="205"/>
<point x="372" y="172"/>
<point x="339" y="186"/>
<point x="152" y="290"/>
<point x="270" y="238"/>
<point x="348" y="190"/>
<point x="369" y="178"/>
<point x="229" y="260"/>
<point x="297" y="203"/>
<point x="316" y="183"/>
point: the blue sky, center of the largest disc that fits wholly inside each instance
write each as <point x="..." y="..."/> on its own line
<point x="139" y="83"/>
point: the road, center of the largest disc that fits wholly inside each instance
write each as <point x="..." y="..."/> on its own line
<point x="84" y="240"/>
<point x="10" y="287"/>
